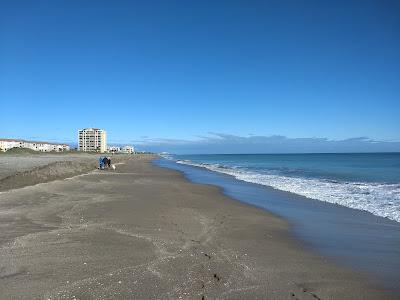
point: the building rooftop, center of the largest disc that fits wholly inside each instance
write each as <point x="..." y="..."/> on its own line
<point x="33" y="142"/>
<point x="91" y="129"/>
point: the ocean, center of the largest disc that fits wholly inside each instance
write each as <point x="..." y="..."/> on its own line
<point x="369" y="182"/>
<point x="344" y="206"/>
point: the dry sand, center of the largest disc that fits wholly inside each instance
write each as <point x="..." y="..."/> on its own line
<point x="11" y="164"/>
<point x="17" y="171"/>
<point x="142" y="232"/>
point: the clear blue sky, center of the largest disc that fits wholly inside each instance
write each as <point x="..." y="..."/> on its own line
<point x="182" y="69"/>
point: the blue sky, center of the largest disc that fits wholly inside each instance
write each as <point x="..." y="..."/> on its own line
<point x="167" y="72"/>
<point x="220" y="143"/>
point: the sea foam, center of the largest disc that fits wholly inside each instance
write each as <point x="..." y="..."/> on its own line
<point x="380" y="199"/>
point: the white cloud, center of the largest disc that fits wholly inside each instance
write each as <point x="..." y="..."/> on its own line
<point x="216" y="142"/>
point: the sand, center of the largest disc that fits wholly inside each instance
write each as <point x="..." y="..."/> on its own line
<point x="17" y="171"/>
<point x="11" y="164"/>
<point x="143" y="232"/>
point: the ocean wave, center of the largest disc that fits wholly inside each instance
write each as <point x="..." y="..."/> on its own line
<point x="380" y="199"/>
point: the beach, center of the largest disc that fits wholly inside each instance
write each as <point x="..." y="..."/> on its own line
<point x="17" y="171"/>
<point x="146" y="232"/>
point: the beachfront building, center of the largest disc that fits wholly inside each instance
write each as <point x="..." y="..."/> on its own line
<point x="128" y="149"/>
<point x="92" y="140"/>
<point x="125" y="149"/>
<point x="47" y="147"/>
<point x="7" y="144"/>
<point x="113" y="149"/>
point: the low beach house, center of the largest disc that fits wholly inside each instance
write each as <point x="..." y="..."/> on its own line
<point x="125" y="149"/>
<point x="114" y="149"/>
<point x="128" y="149"/>
<point x="92" y="140"/>
<point x="7" y="144"/>
<point x="47" y="147"/>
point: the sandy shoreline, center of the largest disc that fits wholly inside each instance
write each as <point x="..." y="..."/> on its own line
<point x="146" y="232"/>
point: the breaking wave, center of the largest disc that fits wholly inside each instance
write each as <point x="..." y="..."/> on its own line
<point x="380" y="199"/>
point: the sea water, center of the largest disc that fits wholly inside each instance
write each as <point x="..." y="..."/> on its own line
<point x="344" y="206"/>
<point x="369" y="182"/>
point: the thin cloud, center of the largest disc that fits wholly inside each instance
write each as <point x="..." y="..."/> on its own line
<point x="217" y="142"/>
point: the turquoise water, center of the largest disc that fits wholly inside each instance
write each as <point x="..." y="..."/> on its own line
<point x="364" y="181"/>
<point x="353" y="233"/>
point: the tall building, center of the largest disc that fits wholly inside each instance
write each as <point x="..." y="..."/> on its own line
<point x="92" y="139"/>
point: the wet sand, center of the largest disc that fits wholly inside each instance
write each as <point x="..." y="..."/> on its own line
<point x="144" y="232"/>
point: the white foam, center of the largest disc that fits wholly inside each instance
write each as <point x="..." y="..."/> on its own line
<point x="380" y="199"/>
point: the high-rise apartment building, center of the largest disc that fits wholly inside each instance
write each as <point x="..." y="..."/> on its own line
<point x="92" y="139"/>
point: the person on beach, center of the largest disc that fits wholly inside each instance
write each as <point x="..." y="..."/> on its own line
<point x="101" y="163"/>
<point x="109" y="162"/>
<point x="105" y="162"/>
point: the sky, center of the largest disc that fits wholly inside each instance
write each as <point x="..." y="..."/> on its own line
<point x="163" y="75"/>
